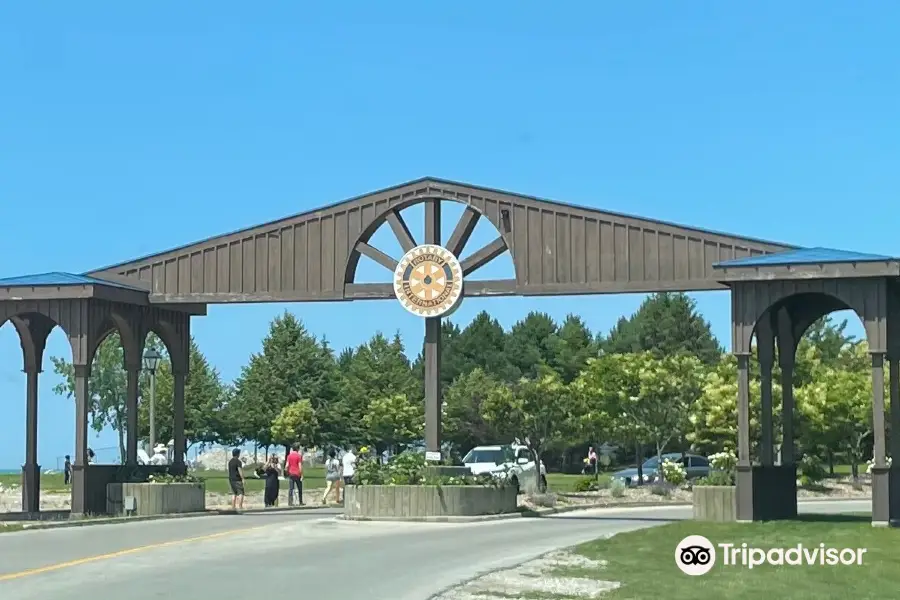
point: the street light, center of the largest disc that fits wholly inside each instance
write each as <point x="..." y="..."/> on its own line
<point x="151" y="363"/>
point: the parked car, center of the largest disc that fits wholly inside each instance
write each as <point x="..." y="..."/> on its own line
<point x="695" y="465"/>
<point x="512" y="461"/>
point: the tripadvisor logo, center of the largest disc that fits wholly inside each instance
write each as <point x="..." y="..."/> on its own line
<point x="696" y="555"/>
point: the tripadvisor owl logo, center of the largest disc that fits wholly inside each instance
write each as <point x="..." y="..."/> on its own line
<point x="696" y="555"/>
<point x="428" y="281"/>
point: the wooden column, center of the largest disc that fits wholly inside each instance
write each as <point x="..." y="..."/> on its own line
<point x="433" y="344"/>
<point x="743" y="409"/>
<point x="179" y="376"/>
<point x="765" y="349"/>
<point x="133" y="374"/>
<point x="31" y="470"/>
<point x="786" y="350"/>
<point x="80" y="467"/>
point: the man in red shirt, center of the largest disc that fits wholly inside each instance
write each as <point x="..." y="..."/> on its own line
<point x="295" y="474"/>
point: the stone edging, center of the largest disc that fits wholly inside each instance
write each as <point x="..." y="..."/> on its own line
<point x="546" y="512"/>
<point x="86" y="522"/>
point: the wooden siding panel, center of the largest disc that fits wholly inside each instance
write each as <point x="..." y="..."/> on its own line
<point x="554" y="248"/>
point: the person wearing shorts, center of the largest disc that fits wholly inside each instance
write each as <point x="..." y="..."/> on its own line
<point x="236" y="479"/>
<point x="348" y="466"/>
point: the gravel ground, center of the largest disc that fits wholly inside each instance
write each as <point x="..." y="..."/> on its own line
<point x="531" y="578"/>
<point x="11" y="499"/>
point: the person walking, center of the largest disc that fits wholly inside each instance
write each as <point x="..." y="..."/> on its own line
<point x="67" y="470"/>
<point x="348" y="467"/>
<point x="271" y="474"/>
<point x="332" y="477"/>
<point x="294" y="468"/>
<point x="236" y="479"/>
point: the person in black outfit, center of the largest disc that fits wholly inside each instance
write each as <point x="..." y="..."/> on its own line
<point x="236" y="479"/>
<point x="271" y="473"/>
<point x="67" y="470"/>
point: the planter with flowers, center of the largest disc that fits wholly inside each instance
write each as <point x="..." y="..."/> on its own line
<point x="161" y="494"/>
<point x="405" y="488"/>
<point x="715" y="497"/>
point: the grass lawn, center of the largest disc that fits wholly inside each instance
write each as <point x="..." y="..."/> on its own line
<point x="644" y="561"/>
<point x="561" y="482"/>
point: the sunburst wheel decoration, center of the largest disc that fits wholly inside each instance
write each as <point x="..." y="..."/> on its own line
<point x="428" y="281"/>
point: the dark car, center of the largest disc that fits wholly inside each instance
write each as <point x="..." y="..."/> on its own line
<point x="695" y="465"/>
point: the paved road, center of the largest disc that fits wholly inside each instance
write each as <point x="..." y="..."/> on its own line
<point x="239" y="557"/>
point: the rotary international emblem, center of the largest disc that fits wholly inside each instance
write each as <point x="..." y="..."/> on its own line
<point x="428" y="281"/>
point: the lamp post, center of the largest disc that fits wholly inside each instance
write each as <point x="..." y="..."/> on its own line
<point x="151" y="362"/>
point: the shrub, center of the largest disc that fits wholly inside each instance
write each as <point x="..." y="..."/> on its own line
<point x="617" y="488"/>
<point x="717" y="478"/>
<point x="411" y="468"/>
<point x="673" y="472"/>
<point x="811" y="470"/>
<point x="724" y="461"/>
<point x="585" y="484"/>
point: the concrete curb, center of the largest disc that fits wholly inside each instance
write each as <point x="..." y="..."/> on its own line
<point x="546" y="512"/>
<point x="86" y="522"/>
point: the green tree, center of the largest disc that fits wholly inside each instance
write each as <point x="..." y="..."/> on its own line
<point x="392" y="421"/>
<point x="836" y="407"/>
<point x="292" y="366"/>
<point x="538" y="411"/>
<point x="713" y="417"/>
<point x="482" y="344"/>
<point x="204" y="398"/>
<point x="531" y="346"/>
<point x="107" y="387"/>
<point x="574" y="346"/>
<point x="379" y="369"/>
<point x="296" y="423"/>
<point x="665" y="324"/>
<point x="464" y="427"/>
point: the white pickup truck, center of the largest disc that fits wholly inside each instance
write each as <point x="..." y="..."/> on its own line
<point x="512" y="461"/>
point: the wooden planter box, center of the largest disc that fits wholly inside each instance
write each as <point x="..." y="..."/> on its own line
<point x="411" y="501"/>
<point x="715" y="503"/>
<point x="156" y="498"/>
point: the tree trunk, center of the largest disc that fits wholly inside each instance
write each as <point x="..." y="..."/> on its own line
<point x="120" y="431"/>
<point x="660" y="476"/>
<point x="830" y="463"/>
<point x="638" y="458"/>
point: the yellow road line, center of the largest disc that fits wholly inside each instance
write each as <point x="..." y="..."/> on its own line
<point x="99" y="557"/>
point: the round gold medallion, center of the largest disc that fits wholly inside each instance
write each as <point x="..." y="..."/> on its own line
<point x="428" y="281"/>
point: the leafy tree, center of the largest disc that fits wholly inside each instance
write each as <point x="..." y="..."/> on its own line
<point x="393" y="421"/>
<point x="482" y="344"/>
<point x="574" y="346"/>
<point x="379" y="369"/>
<point x="665" y="324"/>
<point x="540" y="411"/>
<point x="292" y="366"/>
<point x="531" y="345"/>
<point x="107" y="387"/>
<point x="644" y="398"/>
<point x="713" y="417"/>
<point x="463" y="424"/>
<point x="836" y="407"/>
<point x="204" y="397"/>
<point x="296" y="422"/>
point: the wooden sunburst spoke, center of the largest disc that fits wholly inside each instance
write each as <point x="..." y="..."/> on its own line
<point x="377" y="255"/>
<point x="463" y="231"/>
<point x="484" y="256"/>
<point x="401" y="231"/>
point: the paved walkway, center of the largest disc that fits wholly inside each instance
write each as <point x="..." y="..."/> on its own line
<point x="240" y="556"/>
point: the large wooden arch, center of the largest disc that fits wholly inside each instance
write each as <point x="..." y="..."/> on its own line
<point x="556" y="249"/>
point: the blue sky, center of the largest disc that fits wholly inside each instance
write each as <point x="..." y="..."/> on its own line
<point x="776" y="120"/>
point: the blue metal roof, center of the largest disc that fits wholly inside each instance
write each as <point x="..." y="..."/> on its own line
<point x="804" y="256"/>
<point x="60" y="279"/>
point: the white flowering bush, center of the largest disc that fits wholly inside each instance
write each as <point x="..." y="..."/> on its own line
<point x="724" y="461"/>
<point x="871" y="464"/>
<point x="673" y="472"/>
